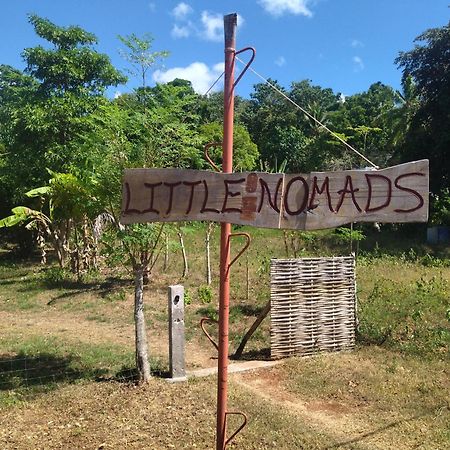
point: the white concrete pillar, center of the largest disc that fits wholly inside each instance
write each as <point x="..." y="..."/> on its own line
<point x="177" y="365"/>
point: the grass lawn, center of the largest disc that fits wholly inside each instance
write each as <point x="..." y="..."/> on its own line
<point x="67" y="356"/>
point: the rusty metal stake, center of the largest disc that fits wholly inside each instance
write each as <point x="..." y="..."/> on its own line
<point x="230" y="23"/>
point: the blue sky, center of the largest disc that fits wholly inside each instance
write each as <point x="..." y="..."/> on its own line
<point x="343" y="44"/>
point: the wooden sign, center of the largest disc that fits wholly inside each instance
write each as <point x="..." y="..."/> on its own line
<point x="273" y="200"/>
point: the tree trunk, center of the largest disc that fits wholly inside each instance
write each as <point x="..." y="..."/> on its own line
<point x="75" y="258"/>
<point x="209" y="229"/>
<point x="166" y="253"/>
<point x="253" y="328"/>
<point x="247" y="277"/>
<point x="94" y="252"/>
<point x="60" y="239"/>
<point x="41" y="244"/>
<point x="183" y="251"/>
<point x="286" y="245"/>
<point x="142" y="363"/>
<point x="86" y="252"/>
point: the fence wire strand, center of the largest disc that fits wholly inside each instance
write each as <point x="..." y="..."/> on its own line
<point x="23" y="372"/>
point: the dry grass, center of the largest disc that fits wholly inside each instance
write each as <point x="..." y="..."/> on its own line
<point x="391" y="395"/>
<point x="155" y="416"/>
<point x="372" y="396"/>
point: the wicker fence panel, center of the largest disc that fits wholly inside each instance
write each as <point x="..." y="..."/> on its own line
<point x="313" y="302"/>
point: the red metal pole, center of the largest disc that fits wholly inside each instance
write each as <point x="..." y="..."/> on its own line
<point x="230" y="23"/>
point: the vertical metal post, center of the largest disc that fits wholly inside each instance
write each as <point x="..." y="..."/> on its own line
<point x="230" y="23"/>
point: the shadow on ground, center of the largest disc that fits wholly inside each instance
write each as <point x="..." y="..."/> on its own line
<point x="255" y="355"/>
<point x="45" y="370"/>
<point x="108" y="287"/>
<point x="361" y="437"/>
<point x="22" y="370"/>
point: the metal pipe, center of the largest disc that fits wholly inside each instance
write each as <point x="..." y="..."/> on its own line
<point x="230" y="23"/>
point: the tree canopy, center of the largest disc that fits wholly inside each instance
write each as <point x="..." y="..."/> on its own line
<point x="55" y="116"/>
<point x="64" y="143"/>
<point x="428" y="66"/>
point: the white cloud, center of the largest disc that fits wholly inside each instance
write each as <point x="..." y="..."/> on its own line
<point x="180" y="31"/>
<point x="280" y="61"/>
<point x="213" y="26"/>
<point x="199" y="74"/>
<point x="181" y="11"/>
<point x="279" y="7"/>
<point x="219" y="68"/>
<point x="152" y="6"/>
<point x="357" y="43"/>
<point x="117" y="94"/>
<point x="358" y="63"/>
<point x="208" y="27"/>
<point x="240" y="21"/>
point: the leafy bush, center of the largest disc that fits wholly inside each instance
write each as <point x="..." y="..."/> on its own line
<point x="408" y="317"/>
<point x="441" y="208"/>
<point x="345" y="235"/>
<point x="205" y="294"/>
<point x="187" y="297"/>
<point x="54" y="277"/>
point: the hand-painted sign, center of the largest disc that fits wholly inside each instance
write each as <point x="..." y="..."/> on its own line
<point x="273" y="200"/>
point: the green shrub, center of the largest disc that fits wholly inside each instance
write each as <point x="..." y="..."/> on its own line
<point x="408" y="317"/>
<point x="345" y="235"/>
<point x="205" y="294"/>
<point x="187" y="297"/>
<point x="54" y="277"/>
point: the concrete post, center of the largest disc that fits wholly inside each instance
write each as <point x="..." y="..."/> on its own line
<point x="177" y="366"/>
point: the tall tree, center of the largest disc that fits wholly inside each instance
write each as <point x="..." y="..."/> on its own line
<point x="399" y="118"/>
<point x="267" y="111"/>
<point x="138" y="53"/>
<point x="245" y="152"/>
<point x="71" y="65"/>
<point x="211" y="108"/>
<point x="155" y="127"/>
<point x="429" y="134"/>
<point x="361" y="120"/>
<point x="317" y="101"/>
<point x="49" y="105"/>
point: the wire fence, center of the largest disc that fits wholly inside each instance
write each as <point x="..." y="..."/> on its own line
<point x="21" y="371"/>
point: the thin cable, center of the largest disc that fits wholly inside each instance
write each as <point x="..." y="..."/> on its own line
<point x="310" y="116"/>
<point x="215" y="82"/>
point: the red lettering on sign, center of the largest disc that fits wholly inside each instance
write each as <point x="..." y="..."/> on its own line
<point x="305" y="196"/>
<point x="348" y="189"/>
<point x="191" y="197"/>
<point x="151" y="186"/>
<point x="228" y="193"/>
<point x="265" y="188"/>
<point x="205" y="200"/>
<point x="369" y="177"/>
<point x="412" y="191"/>
<point x="129" y="210"/>
<point x="171" y="188"/>
<point x="315" y="188"/>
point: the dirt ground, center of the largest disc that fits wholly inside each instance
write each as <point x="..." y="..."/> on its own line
<point x="160" y="415"/>
<point x="324" y="403"/>
<point x="73" y="328"/>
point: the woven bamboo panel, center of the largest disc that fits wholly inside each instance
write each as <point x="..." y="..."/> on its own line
<point x="313" y="303"/>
